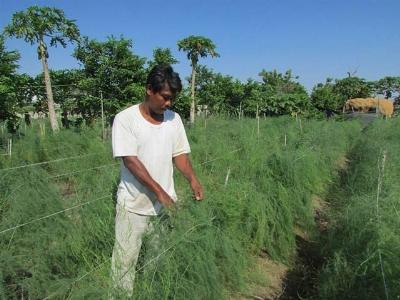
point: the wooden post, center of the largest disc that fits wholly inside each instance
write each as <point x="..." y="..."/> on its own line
<point x="227" y="177"/>
<point x="377" y="110"/>
<point x="285" y="140"/>
<point x="102" y="116"/>
<point x="301" y="127"/>
<point x="9" y="147"/>
<point x="258" y="123"/>
<point x="42" y="129"/>
<point x="240" y="109"/>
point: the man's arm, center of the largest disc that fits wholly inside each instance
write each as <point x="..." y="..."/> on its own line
<point x="183" y="164"/>
<point x="136" y="167"/>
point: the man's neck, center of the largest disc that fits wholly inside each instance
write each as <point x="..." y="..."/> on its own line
<point x="150" y="115"/>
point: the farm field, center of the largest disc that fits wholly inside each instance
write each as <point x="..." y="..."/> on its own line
<point x="294" y="139"/>
<point x="57" y="212"/>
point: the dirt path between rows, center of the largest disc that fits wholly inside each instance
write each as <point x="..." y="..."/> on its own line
<point x="300" y="281"/>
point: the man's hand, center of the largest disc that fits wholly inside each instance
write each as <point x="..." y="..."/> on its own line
<point x="164" y="198"/>
<point x="197" y="189"/>
<point x="183" y="164"/>
<point x="136" y="167"/>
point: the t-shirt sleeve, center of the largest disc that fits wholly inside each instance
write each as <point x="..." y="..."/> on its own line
<point x="124" y="142"/>
<point x="181" y="144"/>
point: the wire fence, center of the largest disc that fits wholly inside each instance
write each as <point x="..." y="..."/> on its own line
<point x="91" y="201"/>
<point x="150" y="261"/>
<point x="94" y="168"/>
<point x="83" y="170"/>
<point x="52" y="214"/>
<point x="103" y="263"/>
<point x="49" y="161"/>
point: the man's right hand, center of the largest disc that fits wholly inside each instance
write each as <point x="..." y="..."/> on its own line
<point x="164" y="198"/>
<point x="140" y="172"/>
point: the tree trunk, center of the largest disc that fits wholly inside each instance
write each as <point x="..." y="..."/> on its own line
<point x="192" y="104"/>
<point x="49" y="92"/>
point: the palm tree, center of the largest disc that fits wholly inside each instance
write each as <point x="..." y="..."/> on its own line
<point x="34" y="26"/>
<point x="195" y="47"/>
<point x="162" y="56"/>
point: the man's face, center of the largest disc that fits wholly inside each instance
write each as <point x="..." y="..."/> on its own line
<point x="160" y="101"/>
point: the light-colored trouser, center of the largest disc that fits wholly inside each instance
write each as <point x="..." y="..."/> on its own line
<point x="129" y="230"/>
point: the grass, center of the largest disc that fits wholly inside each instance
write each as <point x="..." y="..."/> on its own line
<point x="363" y="246"/>
<point x="206" y="249"/>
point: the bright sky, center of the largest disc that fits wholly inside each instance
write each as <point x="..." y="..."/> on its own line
<point x="315" y="38"/>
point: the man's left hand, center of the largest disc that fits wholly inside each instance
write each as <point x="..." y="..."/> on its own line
<point x="197" y="189"/>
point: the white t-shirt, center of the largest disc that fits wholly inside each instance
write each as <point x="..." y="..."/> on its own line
<point x="155" y="146"/>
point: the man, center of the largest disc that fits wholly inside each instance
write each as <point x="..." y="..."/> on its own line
<point x="149" y="138"/>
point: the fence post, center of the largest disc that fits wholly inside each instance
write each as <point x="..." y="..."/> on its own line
<point x="377" y="109"/>
<point x="301" y="127"/>
<point x="102" y="116"/>
<point x="9" y="147"/>
<point x="42" y="129"/>
<point x="258" y="123"/>
<point x="227" y="177"/>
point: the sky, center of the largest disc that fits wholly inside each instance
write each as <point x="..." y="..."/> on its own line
<point x="316" y="39"/>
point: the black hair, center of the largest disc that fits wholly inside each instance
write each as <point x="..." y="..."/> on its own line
<point x="164" y="74"/>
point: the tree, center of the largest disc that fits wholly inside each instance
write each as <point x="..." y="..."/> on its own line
<point x="25" y="92"/>
<point x="283" y="94"/>
<point x="388" y="86"/>
<point x="112" y="74"/>
<point x="281" y="83"/>
<point x="65" y="91"/>
<point x="196" y="47"/>
<point x="162" y="56"/>
<point x="182" y="103"/>
<point x="334" y="93"/>
<point x="221" y="93"/>
<point x="255" y="96"/>
<point x="324" y="97"/>
<point x="8" y="99"/>
<point x="35" y="26"/>
<point x="352" y="87"/>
